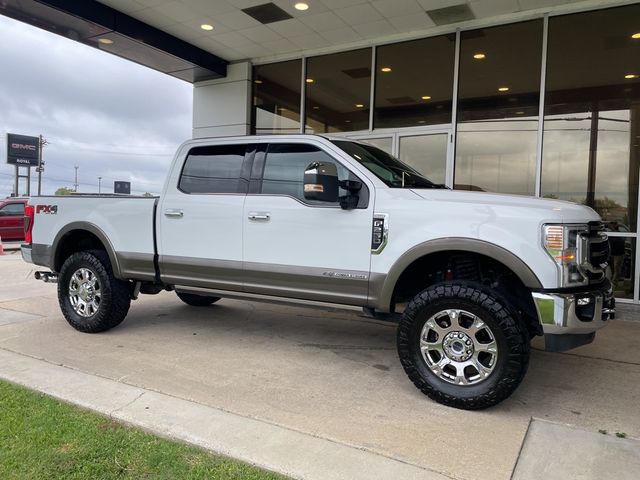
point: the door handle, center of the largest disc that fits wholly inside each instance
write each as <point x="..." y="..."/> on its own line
<point x="259" y="216"/>
<point x="173" y="212"/>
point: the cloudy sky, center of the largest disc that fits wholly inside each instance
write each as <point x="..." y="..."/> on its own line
<point x="110" y="117"/>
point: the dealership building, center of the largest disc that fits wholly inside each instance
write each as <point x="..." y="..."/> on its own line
<point x="527" y="97"/>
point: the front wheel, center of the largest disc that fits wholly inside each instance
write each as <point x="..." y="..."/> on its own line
<point x="462" y="346"/>
<point x="91" y="299"/>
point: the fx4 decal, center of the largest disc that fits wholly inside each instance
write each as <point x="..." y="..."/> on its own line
<point x="50" y="209"/>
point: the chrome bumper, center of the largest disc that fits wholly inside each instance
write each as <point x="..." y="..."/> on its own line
<point x="25" y="250"/>
<point x="574" y="313"/>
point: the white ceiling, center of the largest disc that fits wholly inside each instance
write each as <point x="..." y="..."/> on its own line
<point x="325" y="24"/>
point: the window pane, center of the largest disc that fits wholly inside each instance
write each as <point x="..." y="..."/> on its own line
<point x="621" y="268"/>
<point x="498" y="108"/>
<point x="414" y="82"/>
<point x="276" y="97"/>
<point x="337" y="97"/>
<point x="383" y="143"/>
<point x="591" y="144"/>
<point x="427" y="154"/>
<point x="285" y="165"/>
<point x="12" y="209"/>
<point x="213" y="169"/>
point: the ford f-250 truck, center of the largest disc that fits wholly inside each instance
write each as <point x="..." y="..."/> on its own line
<point x="470" y="277"/>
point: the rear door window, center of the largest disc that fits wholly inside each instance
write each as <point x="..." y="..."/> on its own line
<point x="214" y="169"/>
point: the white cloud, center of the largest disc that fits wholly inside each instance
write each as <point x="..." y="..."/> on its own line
<point x="111" y="117"/>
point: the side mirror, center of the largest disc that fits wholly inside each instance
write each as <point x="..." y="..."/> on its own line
<point x="321" y="182"/>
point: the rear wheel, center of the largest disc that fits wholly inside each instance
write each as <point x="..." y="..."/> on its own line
<point x="196" y="300"/>
<point x="92" y="300"/>
<point x="462" y="346"/>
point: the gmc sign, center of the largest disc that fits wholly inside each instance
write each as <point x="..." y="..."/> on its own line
<point x="22" y="150"/>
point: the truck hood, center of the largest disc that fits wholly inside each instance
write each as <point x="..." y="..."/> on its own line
<point x="563" y="211"/>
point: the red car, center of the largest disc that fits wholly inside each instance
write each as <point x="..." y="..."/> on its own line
<point x="12" y="219"/>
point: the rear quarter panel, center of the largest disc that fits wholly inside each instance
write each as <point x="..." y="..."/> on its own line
<point x="126" y="222"/>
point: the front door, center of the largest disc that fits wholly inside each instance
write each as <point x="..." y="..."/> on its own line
<point x="298" y="248"/>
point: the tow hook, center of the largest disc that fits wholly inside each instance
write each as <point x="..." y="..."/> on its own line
<point x="47" y="277"/>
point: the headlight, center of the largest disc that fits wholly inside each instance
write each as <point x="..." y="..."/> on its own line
<point x="560" y="242"/>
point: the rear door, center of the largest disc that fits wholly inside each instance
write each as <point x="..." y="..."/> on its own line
<point x="12" y="221"/>
<point x="301" y="249"/>
<point x="200" y="219"/>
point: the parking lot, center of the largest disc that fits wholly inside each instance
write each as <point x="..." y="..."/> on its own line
<point x="330" y="374"/>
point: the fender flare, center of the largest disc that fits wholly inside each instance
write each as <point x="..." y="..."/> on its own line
<point x="93" y="229"/>
<point x="381" y="287"/>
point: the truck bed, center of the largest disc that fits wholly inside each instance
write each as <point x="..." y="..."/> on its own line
<point x="125" y="222"/>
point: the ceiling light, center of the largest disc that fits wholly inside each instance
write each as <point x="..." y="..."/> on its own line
<point x="636" y="36"/>
<point x="359" y="105"/>
<point x="301" y="6"/>
<point x="425" y="97"/>
<point x="630" y="76"/>
<point x="385" y="69"/>
<point x="479" y="56"/>
<point x="503" y="89"/>
<point x="105" y="41"/>
<point x="347" y="121"/>
<point x="310" y="80"/>
<point x="206" y="26"/>
<point x="257" y="81"/>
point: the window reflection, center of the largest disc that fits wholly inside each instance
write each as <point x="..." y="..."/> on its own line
<point x="383" y="143"/>
<point x="338" y="92"/>
<point x="276" y="97"/>
<point x="592" y="115"/>
<point x="417" y="89"/>
<point x="498" y="108"/>
<point x="621" y="269"/>
<point x="427" y="154"/>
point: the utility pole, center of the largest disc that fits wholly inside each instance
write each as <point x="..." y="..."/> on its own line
<point x="99" y="184"/>
<point x="40" y="168"/>
<point x="75" y="184"/>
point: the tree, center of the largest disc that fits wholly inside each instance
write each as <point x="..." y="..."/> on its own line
<point x="64" y="191"/>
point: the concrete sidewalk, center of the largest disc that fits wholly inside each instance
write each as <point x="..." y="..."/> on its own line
<point x="329" y="376"/>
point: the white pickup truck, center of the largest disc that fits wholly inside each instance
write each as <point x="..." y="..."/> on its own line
<point x="470" y="277"/>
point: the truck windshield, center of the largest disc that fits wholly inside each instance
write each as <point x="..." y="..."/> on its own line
<point x="387" y="168"/>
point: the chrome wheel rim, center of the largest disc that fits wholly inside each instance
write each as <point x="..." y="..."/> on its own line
<point x="85" y="293"/>
<point x="458" y="347"/>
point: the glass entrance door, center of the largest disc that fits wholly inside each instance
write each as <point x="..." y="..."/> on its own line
<point x="429" y="150"/>
<point x="427" y="153"/>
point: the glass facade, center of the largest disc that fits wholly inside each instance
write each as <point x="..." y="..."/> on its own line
<point x="484" y="123"/>
<point x="337" y="92"/>
<point x="276" y="98"/>
<point x="498" y="101"/>
<point x="592" y="113"/>
<point x="413" y="82"/>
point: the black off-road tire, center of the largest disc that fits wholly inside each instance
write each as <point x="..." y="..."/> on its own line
<point x="196" y="300"/>
<point x="510" y="334"/>
<point x="115" y="294"/>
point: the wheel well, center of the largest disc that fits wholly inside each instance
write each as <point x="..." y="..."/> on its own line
<point x="461" y="265"/>
<point x="73" y="242"/>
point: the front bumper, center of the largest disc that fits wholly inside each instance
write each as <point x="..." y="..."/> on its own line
<point x="570" y="319"/>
